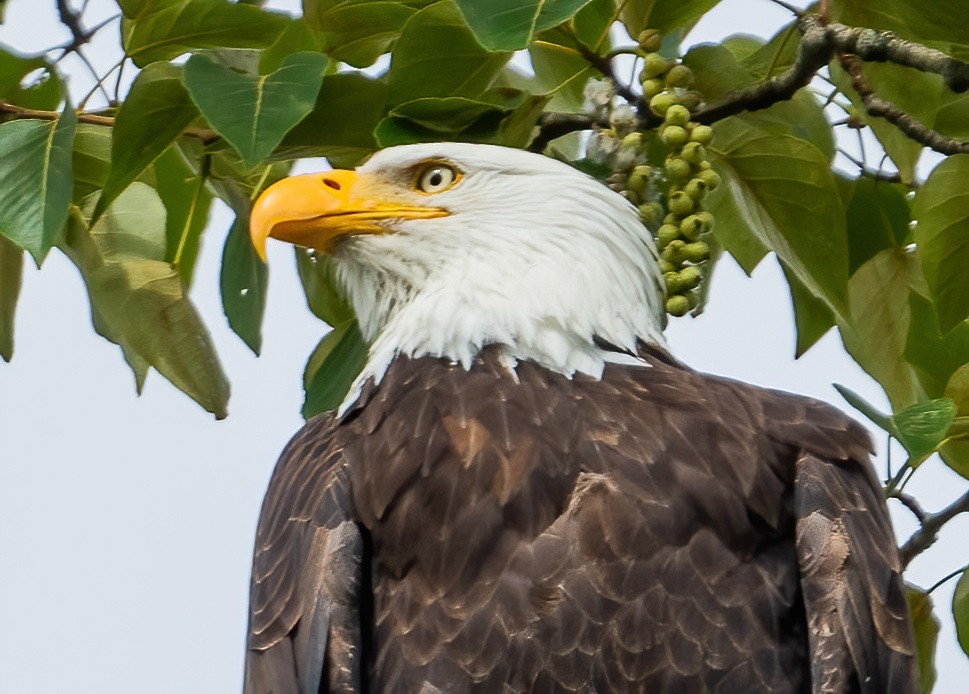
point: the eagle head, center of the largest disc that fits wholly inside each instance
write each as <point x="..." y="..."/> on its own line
<point x="444" y="248"/>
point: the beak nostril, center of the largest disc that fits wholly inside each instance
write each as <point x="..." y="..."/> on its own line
<point x="335" y="185"/>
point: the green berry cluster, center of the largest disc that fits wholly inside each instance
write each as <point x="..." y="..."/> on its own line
<point x="680" y="236"/>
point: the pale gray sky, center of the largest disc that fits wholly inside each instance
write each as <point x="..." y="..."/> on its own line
<point x="126" y="523"/>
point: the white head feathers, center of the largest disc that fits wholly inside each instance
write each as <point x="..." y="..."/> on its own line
<point x="533" y="255"/>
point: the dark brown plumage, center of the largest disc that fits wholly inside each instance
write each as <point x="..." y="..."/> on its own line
<point x="657" y="530"/>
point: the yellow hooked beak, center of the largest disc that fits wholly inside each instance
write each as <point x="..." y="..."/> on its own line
<point x="315" y="210"/>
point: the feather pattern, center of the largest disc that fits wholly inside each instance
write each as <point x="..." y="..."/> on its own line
<point x="655" y="529"/>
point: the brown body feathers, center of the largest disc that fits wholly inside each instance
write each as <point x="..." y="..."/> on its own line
<point x="657" y="530"/>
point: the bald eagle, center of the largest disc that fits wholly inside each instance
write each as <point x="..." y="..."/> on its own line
<point x="525" y="492"/>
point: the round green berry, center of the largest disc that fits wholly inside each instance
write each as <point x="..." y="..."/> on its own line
<point x="638" y="179"/>
<point x="633" y="141"/>
<point x="654" y="65"/>
<point x="679" y="76"/>
<point x="677" y="169"/>
<point x="696" y="252"/>
<point x="691" y="227"/>
<point x="710" y="178"/>
<point x="666" y="234"/>
<point x="702" y="134"/>
<point x="660" y="103"/>
<point x="677" y="115"/>
<point x="672" y="281"/>
<point x="677" y="305"/>
<point x="694" y="152"/>
<point x="696" y="189"/>
<point x="706" y="219"/>
<point x="650" y="40"/>
<point x="691" y="99"/>
<point x="671" y="219"/>
<point x="689" y="277"/>
<point x="666" y="266"/>
<point x="650" y="213"/>
<point x="680" y="203"/>
<point x="673" y="135"/>
<point x="651" y="87"/>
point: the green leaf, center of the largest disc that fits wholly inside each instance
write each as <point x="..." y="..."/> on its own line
<point x="323" y="296"/>
<point x="718" y="72"/>
<point x="164" y="29"/>
<point x="920" y="94"/>
<point x="11" y="274"/>
<point x="296" y="38"/>
<point x="879" y="419"/>
<point x="254" y="112"/>
<point x="43" y="93"/>
<point x="508" y="25"/>
<point x="91" y="161"/>
<point x="935" y="355"/>
<point x="187" y="203"/>
<point x="926" y="627"/>
<point x="560" y="71"/>
<point x="359" y="31"/>
<point x="877" y="217"/>
<point x="811" y="317"/>
<point x="35" y="164"/>
<point x="952" y="119"/>
<point x="875" y="332"/>
<point x="940" y="24"/>
<point x="242" y="283"/>
<point x="955" y="453"/>
<point x="336" y="362"/>
<point x="437" y="55"/>
<point x="154" y="114"/>
<point x="341" y="125"/>
<point x="664" y="15"/>
<point x="783" y="191"/>
<point x="942" y="234"/>
<point x="922" y="427"/>
<point x="960" y="610"/>
<point x="504" y="116"/>
<point x="138" y="300"/>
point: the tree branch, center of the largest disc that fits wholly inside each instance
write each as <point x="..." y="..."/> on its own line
<point x="882" y="108"/>
<point x="813" y="54"/>
<point x="925" y="537"/>
<point x="13" y="112"/>
<point x="555" y="125"/>
<point x="910" y="502"/>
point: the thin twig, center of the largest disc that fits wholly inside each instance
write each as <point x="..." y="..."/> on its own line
<point x="555" y="125"/>
<point x="882" y="108"/>
<point x="925" y="536"/>
<point x="911" y="503"/>
<point x="14" y="112"/>
<point x="790" y="8"/>
<point x="947" y="577"/>
<point x="604" y="65"/>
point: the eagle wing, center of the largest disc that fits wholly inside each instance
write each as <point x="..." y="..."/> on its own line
<point x="304" y="620"/>
<point x="858" y="631"/>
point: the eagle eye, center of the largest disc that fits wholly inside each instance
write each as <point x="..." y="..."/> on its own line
<point x="436" y="178"/>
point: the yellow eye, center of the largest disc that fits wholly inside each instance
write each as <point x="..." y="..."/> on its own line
<point x="436" y="178"/>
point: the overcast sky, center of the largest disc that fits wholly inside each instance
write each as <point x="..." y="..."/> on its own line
<point x="126" y="523"/>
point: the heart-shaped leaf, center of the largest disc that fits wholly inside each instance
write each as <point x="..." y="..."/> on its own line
<point x="254" y="112"/>
<point x="925" y="625"/>
<point x="437" y="55"/>
<point x="35" y="165"/>
<point x="153" y="115"/>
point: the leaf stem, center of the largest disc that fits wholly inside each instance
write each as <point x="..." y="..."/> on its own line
<point x="947" y="577"/>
